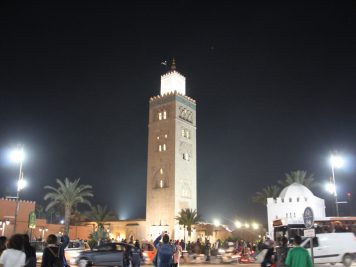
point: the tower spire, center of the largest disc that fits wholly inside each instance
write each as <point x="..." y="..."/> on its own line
<point x="173" y="66"/>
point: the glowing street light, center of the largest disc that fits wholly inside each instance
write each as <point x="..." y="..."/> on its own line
<point x="336" y="162"/>
<point x="18" y="156"/>
<point x="43" y="230"/>
<point x="238" y="224"/>
<point x="216" y="222"/>
<point x="3" y="225"/>
<point x="255" y="226"/>
<point x="247" y="225"/>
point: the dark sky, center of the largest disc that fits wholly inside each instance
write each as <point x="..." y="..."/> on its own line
<point x="274" y="83"/>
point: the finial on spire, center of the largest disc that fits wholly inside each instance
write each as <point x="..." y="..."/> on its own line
<point x="173" y="66"/>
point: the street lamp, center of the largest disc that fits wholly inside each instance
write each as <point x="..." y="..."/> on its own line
<point x="336" y="162"/>
<point x="18" y="156"/>
<point x="43" y="230"/>
<point x="3" y="225"/>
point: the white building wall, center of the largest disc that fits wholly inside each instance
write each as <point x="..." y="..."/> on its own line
<point x="291" y="209"/>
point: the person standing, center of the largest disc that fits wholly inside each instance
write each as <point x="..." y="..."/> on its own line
<point x="164" y="251"/>
<point x="298" y="256"/>
<point x="282" y="252"/>
<point x="52" y="253"/>
<point x="3" y="240"/>
<point x="30" y="252"/>
<point x="207" y="250"/>
<point x="136" y="254"/>
<point x="177" y="253"/>
<point x="13" y="256"/>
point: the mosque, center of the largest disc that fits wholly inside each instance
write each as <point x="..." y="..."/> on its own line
<point x="172" y="177"/>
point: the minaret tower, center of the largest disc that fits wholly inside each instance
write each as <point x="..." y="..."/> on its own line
<point x="171" y="164"/>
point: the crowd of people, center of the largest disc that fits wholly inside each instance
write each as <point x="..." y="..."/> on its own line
<point x="18" y="252"/>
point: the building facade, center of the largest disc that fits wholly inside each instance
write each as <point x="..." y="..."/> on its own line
<point x="290" y="205"/>
<point x="171" y="163"/>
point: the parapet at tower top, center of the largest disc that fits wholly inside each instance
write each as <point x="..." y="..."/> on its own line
<point x="172" y="81"/>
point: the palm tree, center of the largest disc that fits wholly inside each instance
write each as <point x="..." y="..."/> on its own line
<point x="187" y="218"/>
<point x="39" y="211"/>
<point x="68" y="195"/>
<point x="100" y="214"/>
<point x="300" y="177"/>
<point x="267" y="192"/>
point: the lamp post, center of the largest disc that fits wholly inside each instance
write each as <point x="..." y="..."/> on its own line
<point x="3" y="226"/>
<point x="336" y="162"/>
<point x="18" y="157"/>
<point x="43" y="230"/>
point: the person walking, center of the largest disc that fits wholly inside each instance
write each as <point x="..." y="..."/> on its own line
<point x="13" y="256"/>
<point x="164" y="251"/>
<point x="177" y="254"/>
<point x="298" y="256"/>
<point x="136" y="254"/>
<point x="282" y="252"/>
<point x="30" y="252"/>
<point x="207" y="250"/>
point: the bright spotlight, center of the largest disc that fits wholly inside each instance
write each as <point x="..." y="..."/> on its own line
<point x="247" y="225"/>
<point x="255" y="226"/>
<point x="216" y="222"/>
<point x="330" y="187"/>
<point x="21" y="184"/>
<point x="17" y="155"/>
<point x="336" y="161"/>
<point x="238" y="224"/>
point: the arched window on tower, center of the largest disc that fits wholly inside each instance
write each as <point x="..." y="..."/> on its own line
<point x="164" y="114"/>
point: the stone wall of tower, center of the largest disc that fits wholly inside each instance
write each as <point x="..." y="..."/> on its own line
<point x="171" y="166"/>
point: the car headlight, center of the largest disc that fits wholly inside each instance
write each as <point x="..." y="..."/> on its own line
<point x="74" y="254"/>
<point x="144" y="254"/>
<point x="221" y="250"/>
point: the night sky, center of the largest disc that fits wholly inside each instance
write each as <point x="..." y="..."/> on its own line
<point x="275" y="86"/>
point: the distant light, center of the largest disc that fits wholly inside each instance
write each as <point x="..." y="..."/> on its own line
<point x="17" y="155"/>
<point x="21" y="184"/>
<point x="336" y="161"/>
<point x="238" y="224"/>
<point x="62" y="221"/>
<point x="216" y="222"/>
<point x="247" y="225"/>
<point x="255" y="226"/>
<point x="330" y="187"/>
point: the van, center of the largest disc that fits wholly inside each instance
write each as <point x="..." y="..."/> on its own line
<point x="333" y="248"/>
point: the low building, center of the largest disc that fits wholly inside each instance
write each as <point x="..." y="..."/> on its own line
<point x="290" y="205"/>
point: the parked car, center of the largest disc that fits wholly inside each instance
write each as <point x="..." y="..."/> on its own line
<point x="108" y="254"/>
<point x="73" y="250"/>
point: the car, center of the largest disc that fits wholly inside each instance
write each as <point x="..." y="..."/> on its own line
<point x="333" y="248"/>
<point x="108" y="254"/>
<point x="148" y="252"/>
<point x="73" y="250"/>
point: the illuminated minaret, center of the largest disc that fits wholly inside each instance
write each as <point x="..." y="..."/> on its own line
<point x="171" y="164"/>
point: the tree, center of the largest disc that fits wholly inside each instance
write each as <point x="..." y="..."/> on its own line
<point x="68" y="195"/>
<point x="300" y="177"/>
<point x="187" y="218"/>
<point x="39" y="211"/>
<point x="100" y="214"/>
<point x="267" y="192"/>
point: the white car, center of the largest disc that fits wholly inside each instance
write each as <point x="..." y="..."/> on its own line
<point x="333" y="248"/>
<point x="73" y="249"/>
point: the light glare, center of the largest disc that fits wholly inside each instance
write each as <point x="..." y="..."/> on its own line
<point x="238" y="224"/>
<point x="17" y="155"/>
<point x="21" y="184"/>
<point x="255" y="226"/>
<point x="336" y="161"/>
<point x="216" y="222"/>
<point x="330" y="187"/>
